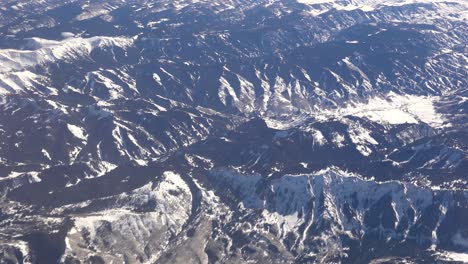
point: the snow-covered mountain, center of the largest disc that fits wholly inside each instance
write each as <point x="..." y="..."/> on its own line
<point x="233" y="131"/>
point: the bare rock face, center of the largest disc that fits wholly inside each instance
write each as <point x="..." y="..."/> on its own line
<point x="233" y="131"/>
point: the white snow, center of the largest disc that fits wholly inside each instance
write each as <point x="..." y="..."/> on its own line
<point x="286" y="200"/>
<point x="95" y="9"/>
<point x="51" y="50"/>
<point x="362" y="138"/>
<point x="104" y="167"/>
<point x="77" y="131"/>
<point x="338" y="139"/>
<point x="287" y="223"/>
<point x="455" y="10"/>
<point x="313" y="2"/>
<point x="58" y="106"/>
<point x="452" y="256"/>
<point x="371" y="5"/>
<point x="157" y="78"/>
<point x="32" y="176"/>
<point x="67" y="34"/>
<point x="390" y="116"/>
<point x="19" y="81"/>
<point x="115" y="91"/>
<point x="23" y="248"/>
<point x="46" y="154"/>
<point x="172" y="199"/>
<point x="319" y="139"/>
<point x="15" y="63"/>
<point x="396" y="109"/>
<point x="12" y="175"/>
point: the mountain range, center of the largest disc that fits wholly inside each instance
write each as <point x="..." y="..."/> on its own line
<point x="233" y="131"/>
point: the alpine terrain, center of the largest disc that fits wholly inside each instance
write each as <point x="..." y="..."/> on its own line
<point x="233" y="131"/>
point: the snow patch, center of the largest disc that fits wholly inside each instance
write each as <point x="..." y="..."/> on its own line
<point x="46" y="154"/>
<point x="452" y="256"/>
<point x="338" y="139"/>
<point x="77" y="131"/>
<point x="396" y="109"/>
<point x="362" y="139"/>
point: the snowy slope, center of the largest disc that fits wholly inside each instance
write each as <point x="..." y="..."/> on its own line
<point x="233" y="131"/>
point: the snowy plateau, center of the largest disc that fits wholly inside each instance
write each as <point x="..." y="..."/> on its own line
<point x="233" y="131"/>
